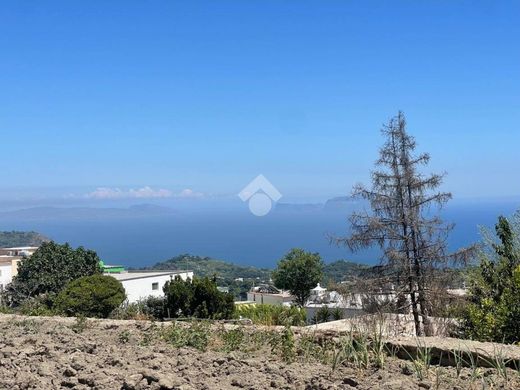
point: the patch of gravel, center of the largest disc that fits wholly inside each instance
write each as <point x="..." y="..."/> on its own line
<point x="47" y="353"/>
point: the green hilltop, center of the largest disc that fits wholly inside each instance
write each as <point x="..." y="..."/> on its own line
<point x="16" y="238"/>
<point x="206" y="266"/>
<point x="336" y="271"/>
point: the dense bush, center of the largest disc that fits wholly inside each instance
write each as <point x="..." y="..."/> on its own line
<point x="90" y="296"/>
<point x="323" y="314"/>
<point x="494" y="310"/>
<point x="198" y="298"/>
<point x="272" y="314"/>
<point x="49" y="269"/>
<point x="151" y="308"/>
<point x="154" y="307"/>
<point x="42" y="305"/>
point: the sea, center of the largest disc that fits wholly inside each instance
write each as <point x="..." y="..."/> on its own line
<point x="234" y="234"/>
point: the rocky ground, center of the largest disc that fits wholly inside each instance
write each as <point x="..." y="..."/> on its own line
<point x="54" y="353"/>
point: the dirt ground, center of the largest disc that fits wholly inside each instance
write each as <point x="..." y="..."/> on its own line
<point x="55" y="353"/>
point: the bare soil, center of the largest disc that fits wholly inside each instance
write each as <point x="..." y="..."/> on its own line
<point x="56" y="353"/>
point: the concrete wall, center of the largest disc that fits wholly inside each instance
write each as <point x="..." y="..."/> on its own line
<point x="137" y="289"/>
<point x="268" y="299"/>
<point x="6" y="274"/>
<point x="347" y="312"/>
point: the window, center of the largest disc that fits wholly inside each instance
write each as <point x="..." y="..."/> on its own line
<point x="155" y="286"/>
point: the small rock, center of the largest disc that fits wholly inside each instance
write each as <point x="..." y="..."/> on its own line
<point x="90" y="382"/>
<point x="44" y="370"/>
<point x="220" y="361"/>
<point x="350" y="382"/>
<point x="132" y="381"/>
<point x="406" y="370"/>
<point x="167" y="382"/>
<point x="9" y="351"/>
<point x="77" y="366"/>
<point x="150" y="376"/>
<point x="69" y="372"/>
<point x="424" y="385"/>
<point x="69" y="382"/>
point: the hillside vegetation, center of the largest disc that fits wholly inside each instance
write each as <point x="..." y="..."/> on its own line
<point x="15" y="238"/>
<point x="342" y="270"/>
<point x="227" y="273"/>
<point x="206" y="266"/>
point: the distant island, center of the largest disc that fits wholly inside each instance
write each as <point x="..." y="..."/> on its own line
<point x="16" y="238"/>
<point x="79" y="213"/>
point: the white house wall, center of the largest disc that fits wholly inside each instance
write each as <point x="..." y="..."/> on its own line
<point x="141" y="288"/>
<point x="268" y="299"/>
<point x="6" y="274"/>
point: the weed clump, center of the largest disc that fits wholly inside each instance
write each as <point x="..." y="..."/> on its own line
<point x="197" y="335"/>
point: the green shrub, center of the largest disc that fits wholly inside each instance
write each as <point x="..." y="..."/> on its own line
<point x="494" y="310"/>
<point x="323" y="314"/>
<point x="124" y="337"/>
<point x="272" y="315"/>
<point x="197" y="335"/>
<point x="154" y="307"/>
<point x="233" y="339"/>
<point x="40" y="305"/>
<point x="80" y="324"/>
<point x="337" y="314"/>
<point x="198" y="298"/>
<point x="91" y="296"/>
<point x="283" y="344"/>
<point x="6" y="310"/>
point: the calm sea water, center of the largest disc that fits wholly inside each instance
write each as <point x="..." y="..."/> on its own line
<point x="235" y="236"/>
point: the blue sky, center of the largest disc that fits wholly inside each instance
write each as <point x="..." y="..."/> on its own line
<point x="205" y="95"/>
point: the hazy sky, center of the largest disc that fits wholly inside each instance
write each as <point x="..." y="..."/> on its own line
<point x="151" y="96"/>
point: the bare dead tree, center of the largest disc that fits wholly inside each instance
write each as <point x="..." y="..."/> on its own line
<point x="402" y="221"/>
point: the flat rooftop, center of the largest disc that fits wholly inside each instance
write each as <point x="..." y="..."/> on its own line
<point x="130" y="275"/>
<point x="20" y="248"/>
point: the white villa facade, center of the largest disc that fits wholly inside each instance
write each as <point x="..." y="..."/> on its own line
<point x="269" y="295"/>
<point x="9" y="259"/>
<point x="142" y="284"/>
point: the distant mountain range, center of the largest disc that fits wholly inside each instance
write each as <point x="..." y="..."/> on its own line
<point x="340" y="203"/>
<point x="36" y="213"/>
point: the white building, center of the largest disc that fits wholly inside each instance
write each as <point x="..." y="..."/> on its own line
<point x="142" y="284"/>
<point x="8" y="269"/>
<point x="19" y="251"/>
<point x="269" y="295"/>
<point x="9" y="260"/>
